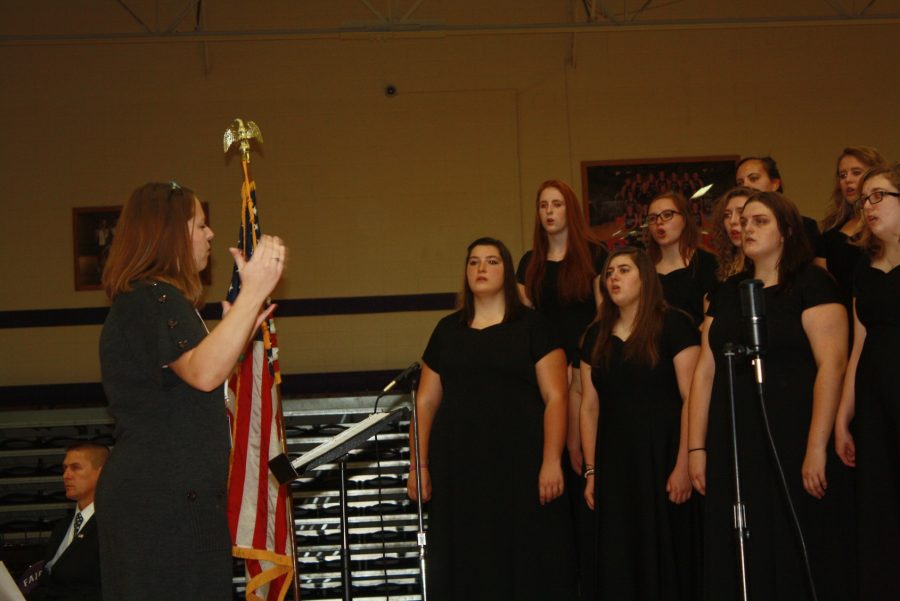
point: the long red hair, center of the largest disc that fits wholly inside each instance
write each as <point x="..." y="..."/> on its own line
<point x="152" y="241"/>
<point x="576" y="273"/>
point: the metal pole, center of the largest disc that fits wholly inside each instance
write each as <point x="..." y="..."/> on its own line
<point x="345" y="536"/>
<point x="741" y="527"/>
<point x="421" y="537"/>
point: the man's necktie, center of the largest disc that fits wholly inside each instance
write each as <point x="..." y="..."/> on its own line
<point x="79" y="520"/>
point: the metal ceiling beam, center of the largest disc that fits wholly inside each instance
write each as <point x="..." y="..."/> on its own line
<point x="424" y="30"/>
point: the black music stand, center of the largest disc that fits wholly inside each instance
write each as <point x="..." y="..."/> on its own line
<point x="286" y="470"/>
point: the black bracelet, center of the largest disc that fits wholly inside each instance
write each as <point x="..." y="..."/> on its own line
<point x="697" y="449"/>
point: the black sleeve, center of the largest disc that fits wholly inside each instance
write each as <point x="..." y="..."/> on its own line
<point x="541" y="335"/>
<point x="432" y="354"/>
<point x="160" y="323"/>
<point x="523" y="267"/>
<point x="708" y="267"/>
<point x="817" y="287"/>
<point x="587" y="346"/>
<point x="678" y="332"/>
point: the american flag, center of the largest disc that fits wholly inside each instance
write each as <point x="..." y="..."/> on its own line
<point x="259" y="513"/>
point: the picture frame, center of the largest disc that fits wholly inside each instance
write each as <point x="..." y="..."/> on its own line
<point x="616" y="193"/>
<point x="93" y="230"/>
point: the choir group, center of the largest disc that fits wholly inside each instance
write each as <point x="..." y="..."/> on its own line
<point x="614" y="359"/>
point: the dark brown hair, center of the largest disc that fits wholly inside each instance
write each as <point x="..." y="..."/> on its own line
<point x="728" y="255"/>
<point x="643" y="343"/>
<point x="842" y="211"/>
<point x="510" y="294"/>
<point x="869" y="242"/>
<point x="152" y="241"/>
<point x="576" y="273"/>
<point x="796" y="252"/>
<point x="769" y="166"/>
<point x="690" y="235"/>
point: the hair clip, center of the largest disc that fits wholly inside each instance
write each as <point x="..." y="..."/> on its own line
<point x="174" y="185"/>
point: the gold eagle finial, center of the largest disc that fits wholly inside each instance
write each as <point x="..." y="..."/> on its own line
<point x="241" y="134"/>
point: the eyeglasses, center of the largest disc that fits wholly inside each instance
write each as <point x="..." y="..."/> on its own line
<point x="662" y="216"/>
<point x="877" y="196"/>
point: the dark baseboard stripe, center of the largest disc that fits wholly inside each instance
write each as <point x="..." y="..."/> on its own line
<point x="291" y="307"/>
<point x="90" y="394"/>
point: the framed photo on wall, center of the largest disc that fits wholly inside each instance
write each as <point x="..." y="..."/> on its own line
<point x="617" y="193"/>
<point x="93" y="230"/>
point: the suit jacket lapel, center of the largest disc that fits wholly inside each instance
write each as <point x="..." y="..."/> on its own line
<point x="58" y="534"/>
<point x="87" y="530"/>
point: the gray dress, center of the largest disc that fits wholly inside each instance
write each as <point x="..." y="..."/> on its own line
<point x="161" y="503"/>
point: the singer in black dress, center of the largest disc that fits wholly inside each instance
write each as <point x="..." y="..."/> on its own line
<point x="637" y="367"/>
<point x="558" y="277"/>
<point x="492" y="418"/>
<point x="687" y="272"/>
<point x="842" y="224"/>
<point x="804" y="359"/>
<point x="871" y="398"/>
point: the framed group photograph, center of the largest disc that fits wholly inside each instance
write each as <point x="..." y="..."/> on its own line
<point x="617" y="193"/>
<point x="93" y="230"/>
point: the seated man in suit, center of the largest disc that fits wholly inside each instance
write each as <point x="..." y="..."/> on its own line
<point x="72" y="563"/>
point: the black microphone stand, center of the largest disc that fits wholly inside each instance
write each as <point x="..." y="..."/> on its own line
<point x="421" y="537"/>
<point x="741" y="526"/>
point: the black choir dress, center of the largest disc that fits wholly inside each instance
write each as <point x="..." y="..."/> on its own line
<point x="488" y="535"/>
<point x="644" y="539"/>
<point x="570" y="319"/>
<point x="775" y="565"/>
<point x="685" y="288"/>
<point x="876" y="430"/>
<point x="161" y="497"/>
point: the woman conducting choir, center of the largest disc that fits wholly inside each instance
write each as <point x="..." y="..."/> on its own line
<point x="834" y="251"/>
<point x="726" y="232"/>
<point x="161" y="498"/>
<point x="639" y="359"/>
<point x="492" y="427"/>
<point x="686" y="271"/>
<point x="870" y="404"/>
<point x="804" y="361"/>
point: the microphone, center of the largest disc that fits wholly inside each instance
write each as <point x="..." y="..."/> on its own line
<point x="753" y="309"/>
<point x="406" y="373"/>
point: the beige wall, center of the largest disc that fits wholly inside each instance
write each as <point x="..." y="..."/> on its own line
<point x="378" y="195"/>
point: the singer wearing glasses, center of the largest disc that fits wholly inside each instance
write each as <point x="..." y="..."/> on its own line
<point x="492" y="429"/>
<point x="871" y="397"/>
<point x="687" y="272"/>
<point x="805" y="356"/>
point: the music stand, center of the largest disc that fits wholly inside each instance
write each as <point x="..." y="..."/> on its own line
<point x="286" y="470"/>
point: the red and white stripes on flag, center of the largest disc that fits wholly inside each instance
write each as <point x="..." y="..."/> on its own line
<point x="259" y="513"/>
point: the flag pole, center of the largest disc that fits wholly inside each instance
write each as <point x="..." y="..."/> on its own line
<point x="240" y="134"/>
